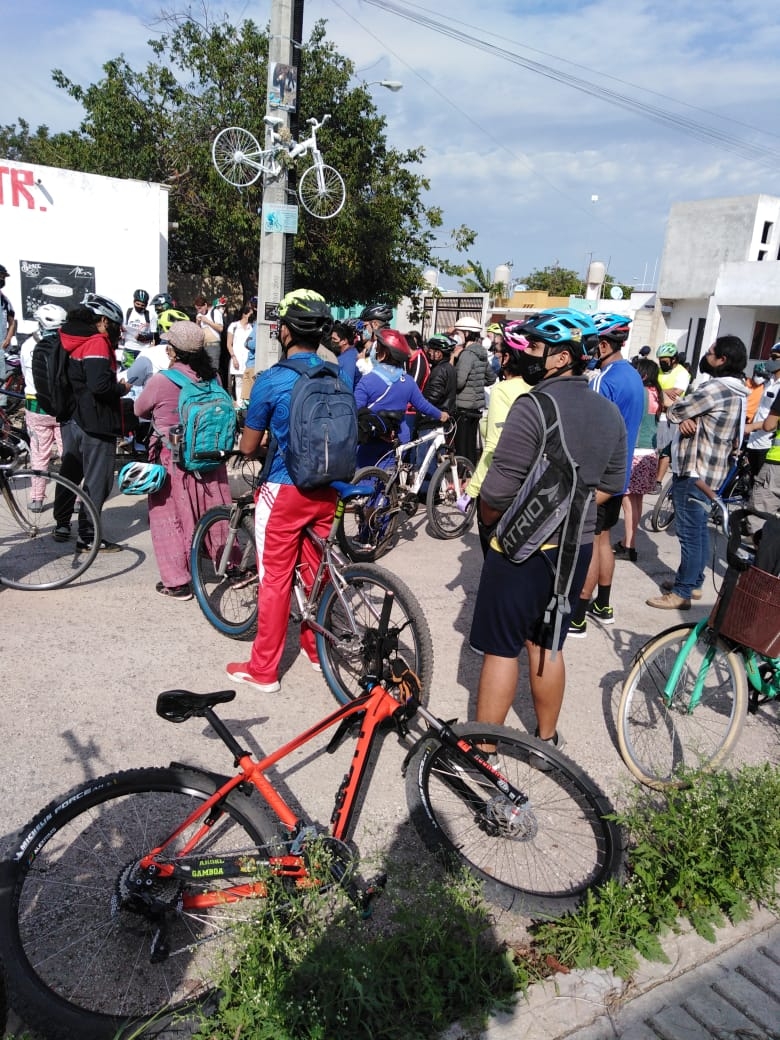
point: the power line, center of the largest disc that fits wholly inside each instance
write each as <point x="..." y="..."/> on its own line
<point x="708" y="134"/>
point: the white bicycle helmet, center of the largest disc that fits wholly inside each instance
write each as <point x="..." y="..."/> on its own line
<point x="50" y="316"/>
<point x="141" y="478"/>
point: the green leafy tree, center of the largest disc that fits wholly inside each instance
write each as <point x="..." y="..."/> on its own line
<point x="478" y="279"/>
<point x="159" y="123"/>
<point x="557" y="281"/>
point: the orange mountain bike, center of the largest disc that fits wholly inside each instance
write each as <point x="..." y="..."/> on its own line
<point x="122" y="899"/>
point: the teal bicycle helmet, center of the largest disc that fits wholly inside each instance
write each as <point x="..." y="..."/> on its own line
<point x="141" y="478"/>
<point x="561" y="327"/>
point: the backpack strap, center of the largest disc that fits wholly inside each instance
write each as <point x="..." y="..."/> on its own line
<point x="571" y="531"/>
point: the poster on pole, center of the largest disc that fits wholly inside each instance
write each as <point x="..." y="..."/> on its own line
<point x="279" y="220"/>
<point x="284" y="87"/>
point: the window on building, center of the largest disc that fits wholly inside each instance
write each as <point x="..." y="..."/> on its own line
<point x="764" y="336"/>
<point x="768" y="225"/>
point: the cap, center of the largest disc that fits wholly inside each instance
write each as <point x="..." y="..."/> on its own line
<point x="644" y="351"/>
<point x="3" y="272"/>
<point x="186" y="336"/>
<point x="773" y="350"/>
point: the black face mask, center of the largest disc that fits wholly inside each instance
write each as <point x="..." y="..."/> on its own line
<point x="532" y="369"/>
<point x="666" y="366"/>
<point x="706" y="368"/>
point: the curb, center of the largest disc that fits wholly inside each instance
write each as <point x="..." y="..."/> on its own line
<point x="564" y="1004"/>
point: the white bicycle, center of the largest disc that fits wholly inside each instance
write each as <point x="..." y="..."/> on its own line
<point x="239" y="159"/>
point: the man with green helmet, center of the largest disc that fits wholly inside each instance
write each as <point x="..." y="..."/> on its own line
<point x="674" y="380"/>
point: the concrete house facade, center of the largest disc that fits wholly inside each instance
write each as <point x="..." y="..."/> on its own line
<point x="720" y="273"/>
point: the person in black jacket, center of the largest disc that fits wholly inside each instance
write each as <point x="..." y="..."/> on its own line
<point x="90" y="336"/>
<point x="440" y="388"/>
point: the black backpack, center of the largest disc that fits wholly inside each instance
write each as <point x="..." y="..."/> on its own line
<point x="550" y="506"/>
<point x="50" y="375"/>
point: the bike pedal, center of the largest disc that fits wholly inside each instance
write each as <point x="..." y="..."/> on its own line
<point x="365" y="892"/>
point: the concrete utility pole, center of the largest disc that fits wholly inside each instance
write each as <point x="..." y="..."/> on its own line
<point x="274" y="232"/>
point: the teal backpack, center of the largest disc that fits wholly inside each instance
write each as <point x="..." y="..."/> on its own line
<point x="208" y="419"/>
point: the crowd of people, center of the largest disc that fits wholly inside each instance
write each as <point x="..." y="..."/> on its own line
<point x="626" y="423"/>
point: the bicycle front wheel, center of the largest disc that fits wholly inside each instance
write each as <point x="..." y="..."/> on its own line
<point x="223" y="563"/>
<point x="348" y="648"/>
<point x="370" y="521"/>
<point x="539" y="858"/>
<point x="659" y="735"/>
<point x="79" y="955"/>
<point x="30" y="556"/>
<point x="448" y="483"/>
<point x="238" y="157"/>
<point x="663" y="513"/>
<point x="322" y="192"/>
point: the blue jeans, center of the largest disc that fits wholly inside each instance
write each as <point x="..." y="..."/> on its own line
<point x="691" y="512"/>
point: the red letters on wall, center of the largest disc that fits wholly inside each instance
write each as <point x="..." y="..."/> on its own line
<point x="20" y="183"/>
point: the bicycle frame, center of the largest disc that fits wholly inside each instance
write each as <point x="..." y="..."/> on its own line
<point x="369" y="712"/>
<point x="750" y="659"/>
<point x="436" y="440"/>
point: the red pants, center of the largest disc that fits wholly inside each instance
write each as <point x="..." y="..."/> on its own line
<point x="281" y="514"/>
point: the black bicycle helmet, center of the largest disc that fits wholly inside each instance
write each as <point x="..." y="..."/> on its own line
<point x="305" y="313"/>
<point x="441" y="342"/>
<point x="142" y="296"/>
<point x="377" y="312"/>
<point x="162" y="302"/>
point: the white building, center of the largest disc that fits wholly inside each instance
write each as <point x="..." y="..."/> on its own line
<point x="64" y="232"/>
<point x="720" y="273"/>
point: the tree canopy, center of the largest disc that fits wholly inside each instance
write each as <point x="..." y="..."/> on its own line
<point x="562" y="281"/>
<point x="158" y="124"/>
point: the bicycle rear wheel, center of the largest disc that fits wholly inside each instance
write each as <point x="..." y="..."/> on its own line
<point x="322" y="192"/>
<point x="30" y="557"/>
<point x="663" y="513"/>
<point x="223" y="563"/>
<point x="78" y="956"/>
<point x="448" y="483"/>
<point x="370" y="521"/>
<point x="347" y="656"/>
<point x="537" y="859"/>
<point x="658" y="737"/>
<point x="238" y="157"/>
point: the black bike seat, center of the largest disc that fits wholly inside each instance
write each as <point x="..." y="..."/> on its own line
<point x="180" y="705"/>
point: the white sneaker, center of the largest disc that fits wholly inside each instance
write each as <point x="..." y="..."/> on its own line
<point x="314" y="665"/>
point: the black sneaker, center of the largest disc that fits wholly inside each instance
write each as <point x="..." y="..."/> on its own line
<point x="537" y="762"/>
<point x="61" y="533"/>
<point x="623" y="553"/>
<point x="604" y="615"/>
<point x="103" y="546"/>
<point x="180" y="592"/>
<point x="577" y="629"/>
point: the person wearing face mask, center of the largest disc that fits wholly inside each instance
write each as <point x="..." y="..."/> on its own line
<point x="674" y="380"/>
<point x="512" y="598"/>
<point x="711" y="421"/>
<point x="90" y="336"/>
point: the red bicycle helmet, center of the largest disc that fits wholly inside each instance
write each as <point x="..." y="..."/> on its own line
<point x="395" y="344"/>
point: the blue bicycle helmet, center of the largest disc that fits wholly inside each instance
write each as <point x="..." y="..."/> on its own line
<point x="141" y="478"/>
<point x="562" y="326"/>
<point x="612" y="326"/>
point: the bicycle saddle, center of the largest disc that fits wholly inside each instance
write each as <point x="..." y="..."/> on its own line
<point x="347" y="491"/>
<point x="180" y="705"/>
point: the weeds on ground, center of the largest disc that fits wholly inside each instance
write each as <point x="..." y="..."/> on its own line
<point x="311" y="972"/>
<point x="702" y="853"/>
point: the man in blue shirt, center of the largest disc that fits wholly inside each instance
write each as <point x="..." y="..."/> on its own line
<point x="618" y="381"/>
<point x="282" y="510"/>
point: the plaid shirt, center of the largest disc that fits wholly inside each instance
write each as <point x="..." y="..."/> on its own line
<point x="719" y="411"/>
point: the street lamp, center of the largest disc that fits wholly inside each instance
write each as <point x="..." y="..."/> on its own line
<point x="389" y="84"/>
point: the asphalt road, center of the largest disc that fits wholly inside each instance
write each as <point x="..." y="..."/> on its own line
<point x="81" y="668"/>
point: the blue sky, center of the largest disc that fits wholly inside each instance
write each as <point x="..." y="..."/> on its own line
<point x="511" y="153"/>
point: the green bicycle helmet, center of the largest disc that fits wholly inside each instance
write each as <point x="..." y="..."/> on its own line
<point x="170" y="317"/>
<point x="305" y="313"/>
<point x="667" y="350"/>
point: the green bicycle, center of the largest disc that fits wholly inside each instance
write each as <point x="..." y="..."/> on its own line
<point x="689" y="689"/>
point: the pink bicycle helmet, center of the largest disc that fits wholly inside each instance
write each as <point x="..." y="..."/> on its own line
<point x="513" y="336"/>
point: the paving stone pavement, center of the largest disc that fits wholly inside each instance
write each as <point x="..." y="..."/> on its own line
<point x="729" y="990"/>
